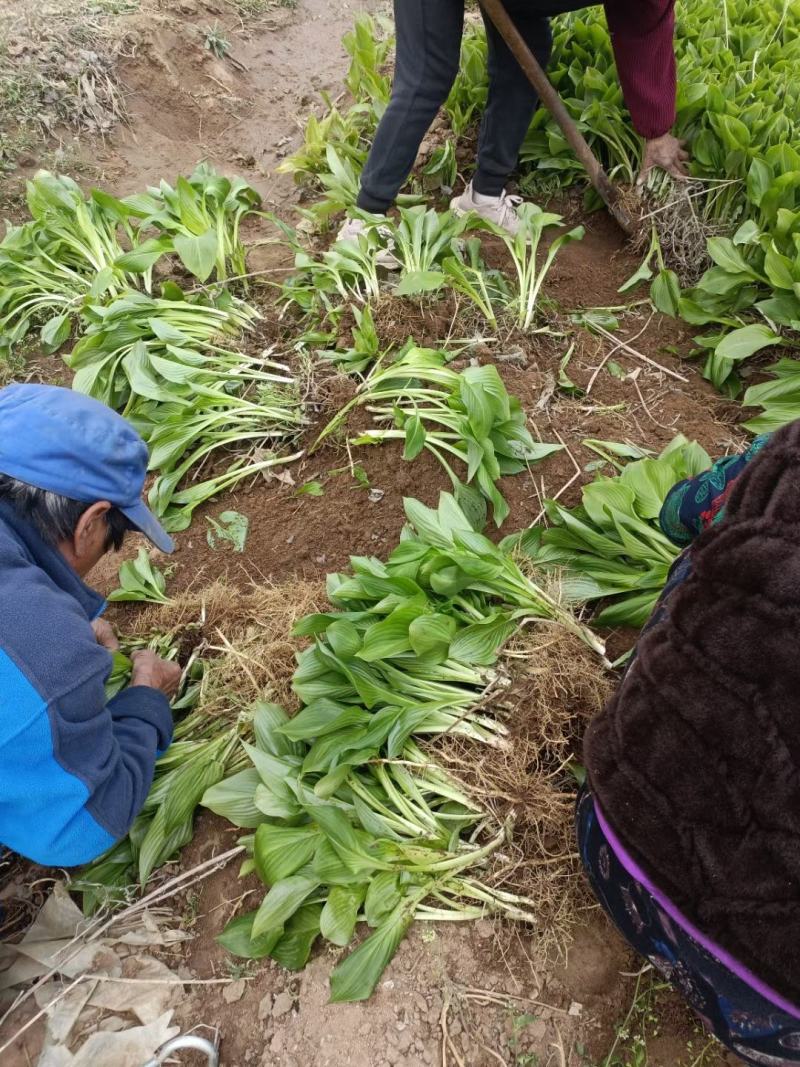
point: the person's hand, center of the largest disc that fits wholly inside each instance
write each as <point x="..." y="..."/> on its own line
<point x="666" y="152"/>
<point x="161" y="674"/>
<point x="104" y="635"/>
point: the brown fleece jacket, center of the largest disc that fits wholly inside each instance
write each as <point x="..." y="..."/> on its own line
<point x="695" y="762"/>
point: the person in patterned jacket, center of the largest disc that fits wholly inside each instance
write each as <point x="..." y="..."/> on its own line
<point x="689" y="824"/>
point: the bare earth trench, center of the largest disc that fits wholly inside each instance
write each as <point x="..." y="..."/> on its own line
<point x="492" y="990"/>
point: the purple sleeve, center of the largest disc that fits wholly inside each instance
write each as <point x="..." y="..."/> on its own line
<point x="642" y="32"/>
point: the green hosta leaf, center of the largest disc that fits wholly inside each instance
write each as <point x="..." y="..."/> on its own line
<point x="273" y="771"/>
<point x="472" y="504"/>
<point x="629" y="611"/>
<point x="237" y="938"/>
<point x="780" y="270"/>
<point x="746" y="341"/>
<point x="187" y="784"/>
<point x="345" y="840"/>
<point x="344" y="639"/>
<point x="426" y="522"/>
<point x="430" y="635"/>
<point x="665" y="293"/>
<point x="748" y="233"/>
<point x="275" y="806"/>
<point x="725" y="254"/>
<point x="415" y="437"/>
<point x="189" y="203"/>
<point x="198" y="254"/>
<point x="643" y="274"/>
<point x="144" y="256"/>
<point x="55" y="332"/>
<point x="299" y="935"/>
<point x="355" y="978"/>
<point x="324" y="717"/>
<point x="480" y="642"/>
<point x="282" y="901"/>
<point x="145" y="382"/>
<point x="420" y="281"/>
<point x="331" y="869"/>
<point x="382" y="898"/>
<point x="233" y="799"/>
<point x="759" y="179"/>
<point x="140" y="580"/>
<point x="340" y="914"/>
<point x="482" y="399"/>
<point x="390" y="637"/>
<point x="280" y="851"/>
<point x="269" y="721"/>
<point x="231" y="526"/>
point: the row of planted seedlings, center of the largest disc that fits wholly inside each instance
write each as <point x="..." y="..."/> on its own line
<point x="739" y="216"/>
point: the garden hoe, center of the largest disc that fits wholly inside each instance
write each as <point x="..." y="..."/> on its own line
<point x="187" y="1041"/>
<point x="611" y="195"/>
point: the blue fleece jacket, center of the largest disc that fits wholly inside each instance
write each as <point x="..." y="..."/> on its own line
<point x="74" y="769"/>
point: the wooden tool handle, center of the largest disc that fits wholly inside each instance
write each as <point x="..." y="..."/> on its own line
<point x="554" y="104"/>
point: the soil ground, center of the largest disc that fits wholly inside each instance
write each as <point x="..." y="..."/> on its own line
<point x="495" y="992"/>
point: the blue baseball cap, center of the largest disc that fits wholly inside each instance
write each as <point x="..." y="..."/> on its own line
<point x="68" y="443"/>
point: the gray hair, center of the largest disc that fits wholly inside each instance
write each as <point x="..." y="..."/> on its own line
<point x="56" y="517"/>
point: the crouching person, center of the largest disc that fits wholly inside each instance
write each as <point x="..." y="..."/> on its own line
<point x="690" y="826"/>
<point x="74" y="768"/>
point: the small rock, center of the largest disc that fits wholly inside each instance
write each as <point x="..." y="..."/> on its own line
<point x="575" y="1008"/>
<point x="484" y="929"/>
<point x="234" y="991"/>
<point x="282" y="1004"/>
<point x="320" y="559"/>
<point x="376" y="495"/>
<point x="265" y="1007"/>
<point x="404" y="1041"/>
<point x="276" y="1044"/>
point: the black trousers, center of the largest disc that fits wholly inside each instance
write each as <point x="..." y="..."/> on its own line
<point x="428" y="51"/>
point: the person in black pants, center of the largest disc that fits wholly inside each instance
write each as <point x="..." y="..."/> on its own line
<point x="428" y="52"/>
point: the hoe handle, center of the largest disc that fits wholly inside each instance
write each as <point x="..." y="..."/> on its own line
<point x="554" y="104"/>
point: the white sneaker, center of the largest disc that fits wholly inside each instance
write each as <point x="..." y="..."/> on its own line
<point x="501" y="210"/>
<point x="351" y="229"/>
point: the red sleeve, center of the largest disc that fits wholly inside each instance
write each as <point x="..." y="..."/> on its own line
<point x="642" y="33"/>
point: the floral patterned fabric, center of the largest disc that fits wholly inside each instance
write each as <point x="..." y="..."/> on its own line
<point x="745" y="1021"/>
<point x="697" y="503"/>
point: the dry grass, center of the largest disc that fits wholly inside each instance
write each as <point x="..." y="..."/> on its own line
<point x="555" y="685"/>
<point x="244" y="638"/>
<point x="57" y="71"/>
